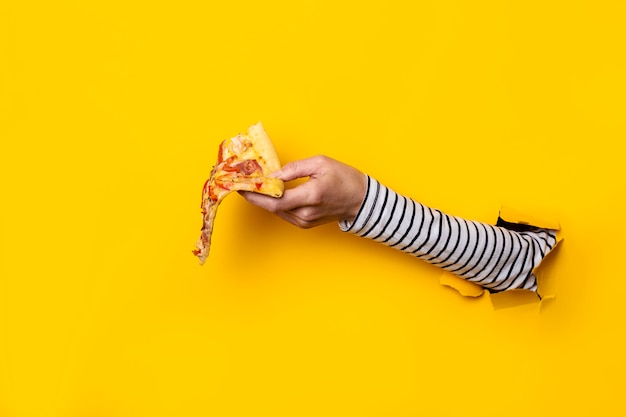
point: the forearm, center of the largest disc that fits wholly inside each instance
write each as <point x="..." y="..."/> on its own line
<point x="491" y="256"/>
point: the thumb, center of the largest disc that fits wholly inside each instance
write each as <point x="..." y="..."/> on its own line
<point x="298" y="169"/>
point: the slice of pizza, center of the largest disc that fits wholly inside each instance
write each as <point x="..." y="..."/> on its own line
<point x="243" y="164"/>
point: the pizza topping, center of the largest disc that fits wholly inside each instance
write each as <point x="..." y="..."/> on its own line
<point x="249" y="167"/>
<point x="220" y="153"/>
<point x="214" y="197"/>
<point x="228" y="166"/>
<point x="205" y="187"/>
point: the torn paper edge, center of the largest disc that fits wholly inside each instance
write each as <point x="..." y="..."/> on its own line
<point x="516" y="297"/>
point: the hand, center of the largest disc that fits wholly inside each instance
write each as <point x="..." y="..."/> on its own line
<point x="333" y="192"/>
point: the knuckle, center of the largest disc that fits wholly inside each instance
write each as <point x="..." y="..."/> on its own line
<point x="272" y="206"/>
<point x="308" y="215"/>
<point x="290" y="167"/>
<point x="303" y="223"/>
<point x="321" y="159"/>
<point x="315" y="196"/>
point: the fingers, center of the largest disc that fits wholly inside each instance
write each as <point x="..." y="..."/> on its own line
<point x="302" y="217"/>
<point x="260" y="200"/>
<point x="293" y="198"/>
<point x="294" y="219"/>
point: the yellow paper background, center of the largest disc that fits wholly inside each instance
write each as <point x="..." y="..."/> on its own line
<point x="110" y="116"/>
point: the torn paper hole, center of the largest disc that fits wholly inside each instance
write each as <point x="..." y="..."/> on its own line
<point x="512" y="220"/>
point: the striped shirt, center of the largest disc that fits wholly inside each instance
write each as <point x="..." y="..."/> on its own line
<point x="495" y="257"/>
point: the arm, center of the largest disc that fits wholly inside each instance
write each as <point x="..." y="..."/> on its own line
<point x="493" y="257"/>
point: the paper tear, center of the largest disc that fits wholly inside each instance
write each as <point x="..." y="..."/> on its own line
<point x="545" y="293"/>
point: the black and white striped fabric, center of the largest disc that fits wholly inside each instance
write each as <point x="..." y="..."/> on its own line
<point x="494" y="257"/>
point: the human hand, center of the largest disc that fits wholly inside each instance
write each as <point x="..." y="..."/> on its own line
<point x="333" y="192"/>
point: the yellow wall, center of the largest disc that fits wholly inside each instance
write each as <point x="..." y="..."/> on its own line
<point x="110" y="116"/>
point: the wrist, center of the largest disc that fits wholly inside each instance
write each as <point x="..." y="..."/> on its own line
<point x="358" y="198"/>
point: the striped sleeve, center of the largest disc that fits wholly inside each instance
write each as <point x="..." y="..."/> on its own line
<point x="495" y="257"/>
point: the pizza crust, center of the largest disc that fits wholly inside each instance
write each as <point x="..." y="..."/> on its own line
<point x="264" y="148"/>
